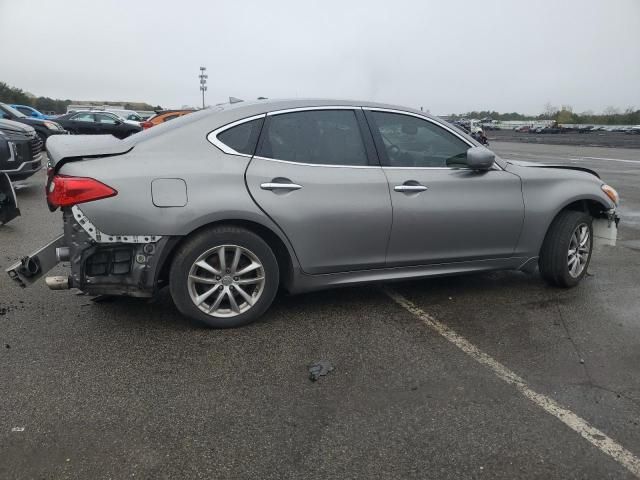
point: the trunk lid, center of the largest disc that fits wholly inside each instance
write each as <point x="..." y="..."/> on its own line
<point x="68" y="148"/>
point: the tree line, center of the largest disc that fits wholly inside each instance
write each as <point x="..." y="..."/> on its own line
<point x="18" y="96"/>
<point x="563" y="114"/>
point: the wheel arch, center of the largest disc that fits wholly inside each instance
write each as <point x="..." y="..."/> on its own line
<point x="284" y="254"/>
<point x="593" y="206"/>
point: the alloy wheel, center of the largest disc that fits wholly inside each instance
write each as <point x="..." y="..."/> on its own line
<point x="226" y="281"/>
<point x="579" y="249"/>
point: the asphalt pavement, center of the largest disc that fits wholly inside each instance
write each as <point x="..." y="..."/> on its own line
<point x="586" y="139"/>
<point x="130" y="389"/>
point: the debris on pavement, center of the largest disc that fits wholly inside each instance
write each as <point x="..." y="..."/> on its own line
<point x="319" y="369"/>
<point x="17" y="429"/>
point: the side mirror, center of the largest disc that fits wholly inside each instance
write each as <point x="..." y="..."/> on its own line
<point x="118" y="122"/>
<point x="480" y="158"/>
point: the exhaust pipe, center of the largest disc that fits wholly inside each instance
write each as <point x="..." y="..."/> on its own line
<point x="58" y="282"/>
<point x="63" y="254"/>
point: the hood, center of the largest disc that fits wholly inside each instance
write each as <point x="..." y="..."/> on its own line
<point x="77" y="147"/>
<point x="16" y="127"/>
<point x="521" y="163"/>
<point x="31" y="120"/>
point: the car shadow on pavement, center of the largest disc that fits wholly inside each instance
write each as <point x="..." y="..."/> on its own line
<point x="322" y="306"/>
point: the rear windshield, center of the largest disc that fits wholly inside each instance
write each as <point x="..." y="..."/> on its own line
<point x="166" y="126"/>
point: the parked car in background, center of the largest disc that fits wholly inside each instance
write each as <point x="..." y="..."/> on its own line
<point x="44" y="128"/>
<point x="164" y="116"/>
<point x="31" y="112"/>
<point x="117" y="116"/>
<point x="227" y="206"/>
<point x="522" y="128"/>
<point x="97" y="123"/>
<point x="24" y="156"/>
<point x="126" y="114"/>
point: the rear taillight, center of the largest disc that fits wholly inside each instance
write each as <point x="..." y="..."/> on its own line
<point x="66" y="191"/>
<point x="146" y="124"/>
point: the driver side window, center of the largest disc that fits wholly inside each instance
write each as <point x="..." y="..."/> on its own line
<point x="413" y="142"/>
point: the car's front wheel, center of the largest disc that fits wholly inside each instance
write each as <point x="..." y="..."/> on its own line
<point x="224" y="277"/>
<point x="566" y="251"/>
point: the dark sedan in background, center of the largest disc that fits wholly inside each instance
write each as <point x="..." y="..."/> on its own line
<point x="97" y="123"/>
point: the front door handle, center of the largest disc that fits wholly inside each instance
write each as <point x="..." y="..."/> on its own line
<point x="410" y="188"/>
<point x="280" y="186"/>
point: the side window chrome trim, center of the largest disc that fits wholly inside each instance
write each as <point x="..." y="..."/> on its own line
<point x="212" y="137"/>
<point x="315" y="164"/>
<point x="322" y="107"/>
<point x="423" y="168"/>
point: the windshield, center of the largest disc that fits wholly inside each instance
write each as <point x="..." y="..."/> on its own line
<point x="12" y="111"/>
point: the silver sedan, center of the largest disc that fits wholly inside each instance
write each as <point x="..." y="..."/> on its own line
<point x="230" y="204"/>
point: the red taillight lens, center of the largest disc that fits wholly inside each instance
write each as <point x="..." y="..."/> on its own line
<point x="66" y="191"/>
<point x="146" y="124"/>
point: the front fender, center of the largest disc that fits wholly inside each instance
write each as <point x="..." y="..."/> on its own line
<point x="546" y="192"/>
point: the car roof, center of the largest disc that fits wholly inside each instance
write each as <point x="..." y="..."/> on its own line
<point x="285" y="104"/>
<point x="223" y="114"/>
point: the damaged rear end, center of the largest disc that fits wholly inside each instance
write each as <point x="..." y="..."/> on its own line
<point x="100" y="263"/>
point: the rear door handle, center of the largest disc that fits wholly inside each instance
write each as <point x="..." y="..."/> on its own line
<point x="410" y="188"/>
<point x="280" y="186"/>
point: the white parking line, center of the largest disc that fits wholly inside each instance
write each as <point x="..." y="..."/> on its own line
<point x="596" y="437"/>
<point x="561" y="158"/>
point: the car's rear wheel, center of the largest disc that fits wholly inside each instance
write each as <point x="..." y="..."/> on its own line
<point x="566" y="251"/>
<point x="224" y="277"/>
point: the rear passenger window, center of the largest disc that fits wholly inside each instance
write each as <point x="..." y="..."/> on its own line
<point x="242" y="138"/>
<point x="323" y="137"/>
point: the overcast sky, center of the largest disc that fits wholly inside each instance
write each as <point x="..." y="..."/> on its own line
<point x="448" y="56"/>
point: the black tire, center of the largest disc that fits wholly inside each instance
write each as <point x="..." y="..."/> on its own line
<point x="43" y="137"/>
<point x="206" y="240"/>
<point x="554" y="254"/>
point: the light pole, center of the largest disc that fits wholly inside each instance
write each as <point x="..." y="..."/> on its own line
<point x="203" y="82"/>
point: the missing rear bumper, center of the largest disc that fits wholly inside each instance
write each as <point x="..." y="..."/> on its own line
<point x="32" y="267"/>
<point x="99" y="263"/>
